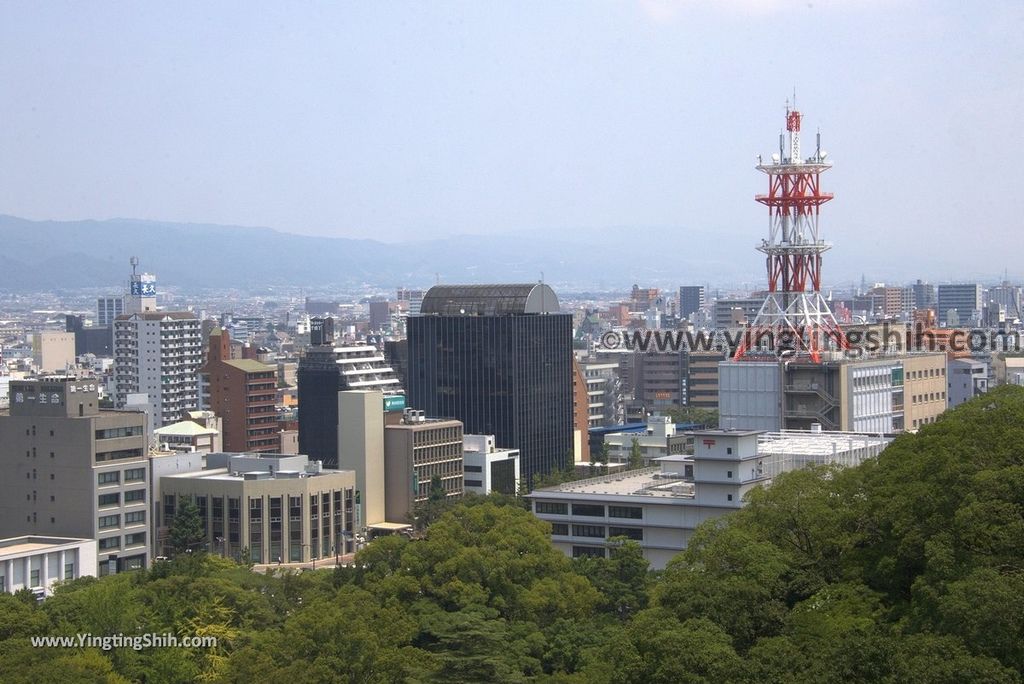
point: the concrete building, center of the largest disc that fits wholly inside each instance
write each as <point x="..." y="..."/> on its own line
<point x="108" y="309"/>
<point x="276" y="508"/>
<point x="604" y="400"/>
<point x="499" y="358"/>
<point x="924" y="295"/>
<point x="659" y="439"/>
<point x="660" y="507"/>
<point x="736" y="312"/>
<point x="967" y="379"/>
<point x="701" y="378"/>
<point x="74" y="470"/>
<point x="38" y="563"/>
<point x="416" y="450"/>
<point x="487" y="468"/>
<point x="360" y="449"/>
<point x="158" y="353"/>
<point x="53" y="351"/>
<point x="324" y="371"/>
<point x="859" y="395"/>
<point x="243" y="394"/>
<point x="188" y="435"/>
<point x="964" y="298"/>
<point x="924" y="389"/>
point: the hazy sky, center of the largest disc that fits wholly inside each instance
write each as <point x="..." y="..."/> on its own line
<point x="396" y="120"/>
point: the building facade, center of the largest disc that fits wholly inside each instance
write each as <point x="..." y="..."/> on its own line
<point x="266" y="508"/>
<point x="415" y="451"/>
<point x="963" y="298"/>
<point x="158" y="354"/>
<point x="243" y="394"/>
<point x="487" y="468"/>
<point x="691" y="300"/>
<point x="324" y="371"/>
<point x="38" y="563"/>
<point x="499" y="359"/>
<point x="74" y="470"/>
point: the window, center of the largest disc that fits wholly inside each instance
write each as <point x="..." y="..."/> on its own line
<point x="589" y="510"/>
<point x="109" y="478"/>
<point x="69" y="572"/>
<point x="114" y="433"/>
<point x="551" y="508"/>
<point x="110" y="543"/>
<point x="135" y="495"/>
<point x="109" y="521"/>
<point x="728" y="450"/>
<point x="135" y="517"/>
<point x="728" y="474"/>
<point x="118" y="455"/>
<point x="728" y="497"/>
<point x="35" y="578"/>
<point x="110" y="499"/>
<point x="587" y="552"/>
<point x="561" y="529"/>
<point x="636" y="533"/>
<point x="134" y="474"/>
<point x="631" y="512"/>
<point x="588" y="531"/>
<point x="473" y="469"/>
<point x="474" y="483"/>
<point x="136" y="538"/>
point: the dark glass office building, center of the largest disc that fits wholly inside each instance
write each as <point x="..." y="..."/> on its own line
<point x="498" y="358"/>
<point x="324" y="370"/>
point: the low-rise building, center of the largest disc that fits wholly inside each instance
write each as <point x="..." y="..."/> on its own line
<point x="37" y="562"/>
<point x="661" y="506"/>
<point x="659" y="439"/>
<point x="266" y="508"/>
<point x="488" y="468"/>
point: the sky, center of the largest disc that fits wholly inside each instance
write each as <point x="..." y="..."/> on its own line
<point x="417" y="120"/>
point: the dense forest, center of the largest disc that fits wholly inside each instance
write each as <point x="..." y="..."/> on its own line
<point x="909" y="568"/>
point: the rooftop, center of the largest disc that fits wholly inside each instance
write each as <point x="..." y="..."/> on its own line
<point x="490" y="300"/>
<point x="250" y="366"/>
<point x="642" y="482"/>
<point x="184" y="428"/>
<point x="17" y="546"/>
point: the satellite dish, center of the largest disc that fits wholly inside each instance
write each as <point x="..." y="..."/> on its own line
<point x="775" y="157"/>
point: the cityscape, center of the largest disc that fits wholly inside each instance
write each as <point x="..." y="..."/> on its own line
<point x="614" y="455"/>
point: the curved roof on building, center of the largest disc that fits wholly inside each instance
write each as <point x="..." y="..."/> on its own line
<point x="490" y="300"/>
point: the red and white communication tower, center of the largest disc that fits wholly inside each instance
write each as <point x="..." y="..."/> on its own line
<point x="794" y="315"/>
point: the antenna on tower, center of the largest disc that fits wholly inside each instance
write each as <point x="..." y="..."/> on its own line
<point x="134" y="261"/>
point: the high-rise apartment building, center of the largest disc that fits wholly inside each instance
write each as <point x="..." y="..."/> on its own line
<point x="498" y="358"/>
<point x="243" y="393"/>
<point x="924" y="295"/>
<point x="73" y="470"/>
<point x="158" y="353"/>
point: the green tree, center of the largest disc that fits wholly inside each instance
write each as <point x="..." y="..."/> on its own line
<point x="186" y="533"/>
<point x="636" y="454"/>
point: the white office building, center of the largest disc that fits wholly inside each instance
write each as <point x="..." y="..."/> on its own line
<point x="486" y="468"/>
<point x="660" y="507"/>
<point x="38" y="563"/>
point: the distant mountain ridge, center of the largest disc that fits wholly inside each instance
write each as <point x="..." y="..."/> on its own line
<point x="71" y="254"/>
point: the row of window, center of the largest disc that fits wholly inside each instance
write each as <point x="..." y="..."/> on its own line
<point x="927" y="373"/>
<point x="590" y="510"/>
<point x="114" y="498"/>
<point x="114" y="433"/>
<point x="35" y="579"/>
<point x="114" y="477"/>
<point x="109" y="543"/>
<point x="597" y="531"/>
<point x="930" y="396"/>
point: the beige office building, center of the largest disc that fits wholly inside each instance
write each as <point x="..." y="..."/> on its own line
<point x="267" y="508"/>
<point x="924" y="389"/>
<point x="53" y="351"/>
<point x="416" y="450"/>
<point x="72" y="470"/>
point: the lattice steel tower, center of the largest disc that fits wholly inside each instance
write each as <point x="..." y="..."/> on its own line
<point x="794" y="313"/>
